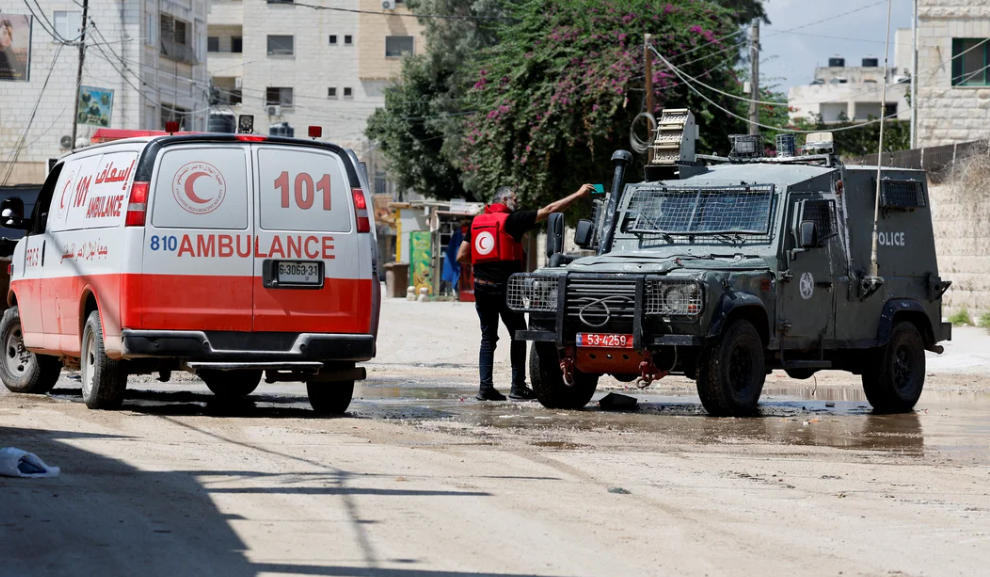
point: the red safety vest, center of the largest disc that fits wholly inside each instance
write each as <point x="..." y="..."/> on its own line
<point x="489" y="240"/>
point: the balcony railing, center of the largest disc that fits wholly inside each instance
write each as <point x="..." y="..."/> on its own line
<point x="178" y="52"/>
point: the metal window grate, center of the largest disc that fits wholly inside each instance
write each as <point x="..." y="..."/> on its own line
<point x="719" y="210"/>
<point x="902" y="194"/>
<point x="822" y="213"/>
<point x="529" y="293"/>
<point x="672" y="298"/>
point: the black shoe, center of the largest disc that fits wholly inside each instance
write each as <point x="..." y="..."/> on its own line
<point x="523" y="394"/>
<point x="489" y="395"/>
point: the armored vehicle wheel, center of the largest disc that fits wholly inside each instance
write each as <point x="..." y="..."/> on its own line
<point x="330" y="398"/>
<point x="731" y="371"/>
<point x="800" y="374"/>
<point x="231" y="384"/>
<point x="103" y="379"/>
<point x="548" y="380"/>
<point x="21" y="370"/>
<point x="895" y="375"/>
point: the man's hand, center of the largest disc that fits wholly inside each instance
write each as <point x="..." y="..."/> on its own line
<point x="562" y="204"/>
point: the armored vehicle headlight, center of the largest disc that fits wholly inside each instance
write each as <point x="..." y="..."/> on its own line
<point x="673" y="298"/>
<point x="532" y="293"/>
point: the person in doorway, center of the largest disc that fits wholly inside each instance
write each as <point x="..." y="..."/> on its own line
<point x="493" y="246"/>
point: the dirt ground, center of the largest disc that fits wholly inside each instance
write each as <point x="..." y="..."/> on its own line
<point x="419" y="479"/>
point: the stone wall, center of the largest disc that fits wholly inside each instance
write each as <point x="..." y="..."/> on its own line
<point x="948" y="114"/>
<point x="961" y="218"/>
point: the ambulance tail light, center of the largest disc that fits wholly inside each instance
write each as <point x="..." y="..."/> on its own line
<point x="361" y="210"/>
<point x="137" y="205"/>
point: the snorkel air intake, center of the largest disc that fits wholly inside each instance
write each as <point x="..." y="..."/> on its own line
<point x="621" y="158"/>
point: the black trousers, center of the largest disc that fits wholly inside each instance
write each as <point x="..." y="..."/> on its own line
<point x="490" y="304"/>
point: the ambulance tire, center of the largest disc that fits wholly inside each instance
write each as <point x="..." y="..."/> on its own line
<point x="103" y="379"/>
<point x="731" y="371"/>
<point x="895" y="376"/>
<point x="548" y="380"/>
<point x="23" y="371"/>
<point x="231" y="384"/>
<point x="330" y="398"/>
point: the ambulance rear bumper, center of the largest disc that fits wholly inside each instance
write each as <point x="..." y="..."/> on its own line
<point x="225" y="346"/>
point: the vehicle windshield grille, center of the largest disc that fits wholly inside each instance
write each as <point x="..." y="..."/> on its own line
<point x="699" y="211"/>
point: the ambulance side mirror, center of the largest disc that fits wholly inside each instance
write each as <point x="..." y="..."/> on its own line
<point x="809" y="235"/>
<point x="585" y="233"/>
<point x="12" y="213"/>
<point x="555" y="234"/>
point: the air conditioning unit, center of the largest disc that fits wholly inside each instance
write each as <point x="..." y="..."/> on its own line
<point x="274" y="110"/>
<point x="388" y="4"/>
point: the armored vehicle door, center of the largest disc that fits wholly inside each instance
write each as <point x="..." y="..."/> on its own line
<point x="807" y="286"/>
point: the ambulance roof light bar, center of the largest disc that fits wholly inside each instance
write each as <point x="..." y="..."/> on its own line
<point x="171" y="127"/>
<point x="315" y="132"/>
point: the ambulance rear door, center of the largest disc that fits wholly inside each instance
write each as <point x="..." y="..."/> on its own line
<point x="198" y="244"/>
<point x="312" y="275"/>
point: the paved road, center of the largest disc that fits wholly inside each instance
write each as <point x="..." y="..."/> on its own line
<point x="418" y="479"/>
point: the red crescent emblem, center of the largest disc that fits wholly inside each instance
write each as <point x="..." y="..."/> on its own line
<point x="190" y="191"/>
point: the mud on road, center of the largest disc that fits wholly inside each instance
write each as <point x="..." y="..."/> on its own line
<point x="419" y="479"/>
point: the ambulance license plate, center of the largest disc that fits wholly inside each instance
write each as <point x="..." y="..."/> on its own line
<point x="299" y="273"/>
<point x="604" y="341"/>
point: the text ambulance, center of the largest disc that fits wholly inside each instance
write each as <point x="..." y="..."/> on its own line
<point x="225" y="255"/>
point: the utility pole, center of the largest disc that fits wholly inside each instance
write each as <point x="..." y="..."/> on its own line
<point x="82" y="58"/>
<point x="914" y="81"/>
<point x="648" y="58"/>
<point x="754" y="80"/>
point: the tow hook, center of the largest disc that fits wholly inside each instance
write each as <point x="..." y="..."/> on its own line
<point x="648" y="372"/>
<point x="567" y="368"/>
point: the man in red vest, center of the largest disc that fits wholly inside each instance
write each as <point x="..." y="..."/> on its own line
<point x="493" y="246"/>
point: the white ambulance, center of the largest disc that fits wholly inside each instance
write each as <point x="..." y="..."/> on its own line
<point x="229" y="256"/>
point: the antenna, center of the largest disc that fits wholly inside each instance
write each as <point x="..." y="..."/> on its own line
<point x="874" y="277"/>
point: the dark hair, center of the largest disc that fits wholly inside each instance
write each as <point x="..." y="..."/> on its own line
<point x="501" y="194"/>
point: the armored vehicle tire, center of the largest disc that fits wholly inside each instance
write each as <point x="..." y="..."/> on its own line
<point x="731" y="371"/>
<point x="231" y="384"/>
<point x="21" y="370"/>
<point x="895" y="375"/>
<point x="801" y="374"/>
<point x="548" y="380"/>
<point x="103" y="379"/>
<point x="330" y="398"/>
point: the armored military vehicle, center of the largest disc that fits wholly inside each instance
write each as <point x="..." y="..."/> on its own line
<point x="725" y="268"/>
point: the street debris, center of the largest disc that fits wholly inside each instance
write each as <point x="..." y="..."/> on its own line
<point x="18" y="463"/>
<point x="618" y="402"/>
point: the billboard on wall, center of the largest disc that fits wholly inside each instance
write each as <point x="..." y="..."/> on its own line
<point x="95" y="106"/>
<point x="15" y="47"/>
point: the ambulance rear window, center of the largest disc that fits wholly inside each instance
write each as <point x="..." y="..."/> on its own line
<point x="202" y="187"/>
<point x="304" y="190"/>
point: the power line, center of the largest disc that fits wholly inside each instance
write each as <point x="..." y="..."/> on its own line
<point x="34" y="112"/>
<point x="400" y="14"/>
<point x="765" y="126"/>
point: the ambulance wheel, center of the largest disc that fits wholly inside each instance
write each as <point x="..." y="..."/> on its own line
<point x="21" y="370"/>
<point x="731" y="371"/>
<point x="330" y="398"/>
<point x="103" y="379"/>
<point x="231" y="384"/>
<point x="548" y="380"/>
<point x="895" y="376"/>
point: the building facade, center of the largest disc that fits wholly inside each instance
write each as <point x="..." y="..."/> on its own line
<point x="841" y="93"/>
<point x="145" y="64"/>
<point x="953" y="71"/>
<point x="285" y="63"/>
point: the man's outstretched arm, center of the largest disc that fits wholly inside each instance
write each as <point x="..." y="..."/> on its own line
<point x="562" y="204"/>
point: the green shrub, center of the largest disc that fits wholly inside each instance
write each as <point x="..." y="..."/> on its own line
<point x="961" y="318"/>
<point x="984" y="320"/>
